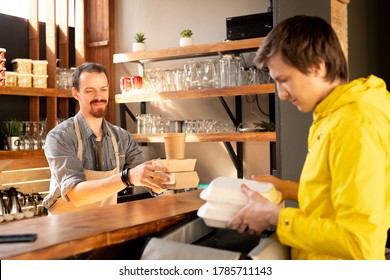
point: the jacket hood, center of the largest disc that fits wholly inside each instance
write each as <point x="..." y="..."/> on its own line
<point x="371" y="90"/>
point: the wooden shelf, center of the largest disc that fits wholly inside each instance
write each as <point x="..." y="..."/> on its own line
<point x="36" y="92"/>
<point x="22" y="154"/>
<point x="198" y="93"/>
<point x="190" y="51"/>
<point x="212" y="137"/>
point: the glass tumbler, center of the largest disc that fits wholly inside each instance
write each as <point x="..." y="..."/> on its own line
<point x="208" y="80"/>
<point x="192" y="79"/>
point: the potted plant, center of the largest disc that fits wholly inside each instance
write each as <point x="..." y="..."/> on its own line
<point x="186" y="38"/>
<point x="139" y="44"/>
<point x="12" y="130"/>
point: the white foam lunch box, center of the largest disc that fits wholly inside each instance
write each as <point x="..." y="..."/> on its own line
<point x="225" y="198"/>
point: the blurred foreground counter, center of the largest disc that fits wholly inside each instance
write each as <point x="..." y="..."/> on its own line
<point x="66" y="235"/>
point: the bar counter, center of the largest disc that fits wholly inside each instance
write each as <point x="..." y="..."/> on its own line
<point x="65" y="235"/>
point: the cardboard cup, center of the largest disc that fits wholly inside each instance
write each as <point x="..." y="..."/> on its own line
<point x="175" y="145"/>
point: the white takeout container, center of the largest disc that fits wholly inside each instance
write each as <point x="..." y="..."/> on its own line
<point x="217" y="214"/>
<point x="225" y="198"/>
<point x="227" y="190"/>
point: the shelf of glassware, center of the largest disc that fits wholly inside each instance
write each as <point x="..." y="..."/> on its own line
<point x="197" y="51"/>
<point x="211" y="137"/>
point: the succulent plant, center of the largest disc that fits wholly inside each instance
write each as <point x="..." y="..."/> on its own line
<point x="186" y="33"/>
<point x="140" y="37"/>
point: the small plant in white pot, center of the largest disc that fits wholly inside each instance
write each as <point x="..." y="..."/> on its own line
<point x="186" y="38"/>
<point x="139" y="44"/>
<point x="12" y="130"/>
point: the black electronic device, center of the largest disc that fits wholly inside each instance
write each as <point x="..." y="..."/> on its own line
<point x="24" y="237"/>
<point x="248" y="26"/>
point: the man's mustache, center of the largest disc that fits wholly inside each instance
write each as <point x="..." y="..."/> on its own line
<point x="98" y="100"/>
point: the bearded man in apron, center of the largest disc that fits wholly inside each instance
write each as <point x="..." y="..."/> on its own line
<point x="90" y="159"/>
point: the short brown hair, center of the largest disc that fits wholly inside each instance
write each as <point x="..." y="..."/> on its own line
<point x="303" y="42"/>
<point x="90" y="67"/>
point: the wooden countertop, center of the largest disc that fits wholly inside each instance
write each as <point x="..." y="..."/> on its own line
<point x="65" y="235"/>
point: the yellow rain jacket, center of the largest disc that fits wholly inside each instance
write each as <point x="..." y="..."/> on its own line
<point x="344" y="189"/>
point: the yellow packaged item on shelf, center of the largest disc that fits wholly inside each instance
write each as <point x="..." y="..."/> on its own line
<point x="25" y="80"/>
<point x="39" y="67"/>
<point x="11" y="78"/>
<point x="22" y="65"/>
<point x="40" y="81"/>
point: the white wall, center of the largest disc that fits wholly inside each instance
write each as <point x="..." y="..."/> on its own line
<point x="162" y="21"/>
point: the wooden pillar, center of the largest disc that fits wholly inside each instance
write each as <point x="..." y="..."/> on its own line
<point x="100" y="42"/>
<point x="51" y="56"/>
<point x="63" y="49"/>
<point x="80" y="31"/>
<point x="80" y="35"/>
<point x="339" y="21"/>
<point x="33" y="35"/>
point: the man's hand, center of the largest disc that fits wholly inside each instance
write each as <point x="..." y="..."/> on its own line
<point x="258" y="215"/>
<point x="149" y="175"/>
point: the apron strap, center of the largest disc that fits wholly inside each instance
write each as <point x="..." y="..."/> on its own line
<point x="80" y="143"/>
<point x="115" y="144"/>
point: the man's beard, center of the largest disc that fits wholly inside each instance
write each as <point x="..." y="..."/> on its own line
<point x="100" y="113"/>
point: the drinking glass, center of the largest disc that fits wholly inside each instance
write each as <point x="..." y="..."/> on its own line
<point x="187" y="126"/>
<point x="179" y="79"/>
<point x="35" y="135"/>
<point x="226" y="68"/>
<point x="191" y="71"/>
<point x="237" y="65"/>
<point x="42" y="133"/>
<point x="208" y="80"/>
<point x="27" y="137"/>
<point x="151" y="79"/>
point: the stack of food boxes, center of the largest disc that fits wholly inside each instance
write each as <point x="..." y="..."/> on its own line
<point x="39" y="73"/>
<point x="27" y="73"/>
<point x="224" y="199"/>
<point x="181" y="171"/>
<point x="2" y="66"/>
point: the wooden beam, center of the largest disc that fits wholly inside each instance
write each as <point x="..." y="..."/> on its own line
<point x="339" y="21"/>
<point x="51" y="56"/>
<point x="33" y="30"/>
<point x="63" y="103"/>
<point x="33" y="37"/>
<point x="63" y="34"/>
<point x="80" y="31"/>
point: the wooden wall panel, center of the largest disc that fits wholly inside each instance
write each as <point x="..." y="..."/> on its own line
<point x="100" y="40"/>
<point x="339" y="19"/>
<point x="33" y="36"/>
<point x="51" y="57"/>
<point x="80" y="31"/>
<point x="63" y="52"/>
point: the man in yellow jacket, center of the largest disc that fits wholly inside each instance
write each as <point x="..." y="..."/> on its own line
<point x="344" y="188"/>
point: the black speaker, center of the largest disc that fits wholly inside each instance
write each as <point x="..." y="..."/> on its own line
<point x="248" y="26"/>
